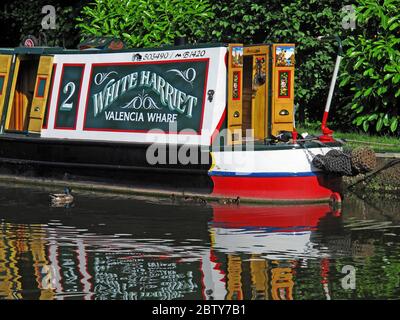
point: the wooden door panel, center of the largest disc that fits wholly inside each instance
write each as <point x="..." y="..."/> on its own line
<point x="42" y="86"/>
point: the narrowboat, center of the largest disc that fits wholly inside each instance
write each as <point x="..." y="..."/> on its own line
<point x="204" y="119"/>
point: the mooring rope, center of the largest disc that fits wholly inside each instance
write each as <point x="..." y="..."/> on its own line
<point x="341" y="161"/>
<point x="314" y="139"/>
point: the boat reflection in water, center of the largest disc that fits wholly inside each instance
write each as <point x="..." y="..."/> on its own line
<point x="216" y="252"/>
<point x="265" y="244"/>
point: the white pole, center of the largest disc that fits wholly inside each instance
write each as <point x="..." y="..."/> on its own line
<point x="333" y="82"/>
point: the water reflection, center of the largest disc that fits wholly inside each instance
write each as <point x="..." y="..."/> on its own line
<point x="118" y="248"/>
<point x="267" y="243"/>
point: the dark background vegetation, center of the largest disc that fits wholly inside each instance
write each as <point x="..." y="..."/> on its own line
<point x="366" y="100"/>
<point x="19" y="18"/>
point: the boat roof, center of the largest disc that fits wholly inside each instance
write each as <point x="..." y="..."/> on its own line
<point x="60" y="50"/>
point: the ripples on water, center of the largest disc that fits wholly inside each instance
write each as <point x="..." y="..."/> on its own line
<point x="119" y="248"/>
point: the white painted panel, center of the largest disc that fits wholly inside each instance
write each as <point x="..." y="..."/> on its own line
<point x="212" y="110"/>
<point x="271" y="245"/>
<point x="245" y="162"/>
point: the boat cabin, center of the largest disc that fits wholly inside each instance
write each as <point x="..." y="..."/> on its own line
<point x="179" y="94"/>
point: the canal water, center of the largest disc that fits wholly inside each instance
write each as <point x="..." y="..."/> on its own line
<point x="114" y="247"/>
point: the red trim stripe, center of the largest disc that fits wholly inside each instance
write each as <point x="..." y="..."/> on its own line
<point x="219" y="125"/>
<point x="304" y="216"/>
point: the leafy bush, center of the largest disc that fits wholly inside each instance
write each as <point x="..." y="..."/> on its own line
<point x="372" y="66"/>
<point x="144" y="23"/>
<point x="152" y="23"/>
<point x="369" y="89"/>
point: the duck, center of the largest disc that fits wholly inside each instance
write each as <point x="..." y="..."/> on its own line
<point x="62" y="198"/>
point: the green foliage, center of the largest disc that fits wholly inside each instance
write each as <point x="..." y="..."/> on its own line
<point x="299" y="22"/>
<point x="20" y="18"/>
<point x="372" y="66"/>
<point x="369" y="90"/>
<point x="371" y="282"/>
<point x="144" y="23"/>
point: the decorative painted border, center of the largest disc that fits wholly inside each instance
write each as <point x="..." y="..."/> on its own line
<point x="79" y="94"/>
<point x="39" y="81"/>
<point x="48" y="102"/>
<point x="198" y="132"/>
<point x="236" y="93"/>
<point x="280" y="72"/>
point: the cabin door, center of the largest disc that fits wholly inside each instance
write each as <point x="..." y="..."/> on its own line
<point x="28" y="94"/>
<point x="235" y="85"/>
<point x="255" y="92"/>
<point x="5" y="69"/>
<point x="39" y="101"/>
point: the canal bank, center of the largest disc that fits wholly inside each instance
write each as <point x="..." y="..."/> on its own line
<point x="384" y="180"/>
<point x="111" y="190"/>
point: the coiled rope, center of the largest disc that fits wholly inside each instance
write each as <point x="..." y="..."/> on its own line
<point x="341" y="163"/>
<point x="347" y="162"/>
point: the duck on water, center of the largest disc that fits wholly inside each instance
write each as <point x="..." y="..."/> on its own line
<point x="65" y="198"/>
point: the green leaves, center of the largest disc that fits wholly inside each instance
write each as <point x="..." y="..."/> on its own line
<point x="146" y="23"/>
<point x="369" y="80"/>
<point x="396" y="78"/>
<point x="394" y="22"/>
<point x="379" y="125"/>
<point x="367" y="92"/>
<point x="372" y="67"/>
<point x="359" y="63"/>
<point x="365" y="125"/>
<point x="297" y="21"/>
<point x="394" y="124"/>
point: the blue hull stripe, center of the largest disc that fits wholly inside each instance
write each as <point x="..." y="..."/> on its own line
<point x="262" y="174"/>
